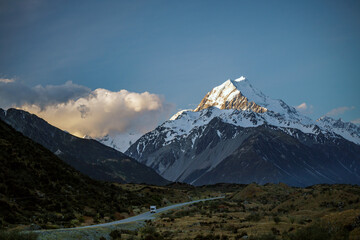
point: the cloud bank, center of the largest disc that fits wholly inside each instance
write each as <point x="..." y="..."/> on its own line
<point x="302" y="106"/>
<point x="339" y="111"/>
<point x="6" y="80"/>
<point x="356" y="121"/>
<point x="18" y="94"/>
<point x="80" y="111"/>
<point x="305" y="108"/>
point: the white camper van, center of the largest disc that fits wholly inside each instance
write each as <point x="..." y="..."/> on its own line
<point x="152" y="209"/>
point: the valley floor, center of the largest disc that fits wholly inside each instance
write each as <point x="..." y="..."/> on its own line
<point x="268" y="212"/>
<point x="273" y="211"/>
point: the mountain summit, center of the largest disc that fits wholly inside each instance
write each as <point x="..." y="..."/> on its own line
<point x="238" y="134"/>
<point x="237" y="94"/>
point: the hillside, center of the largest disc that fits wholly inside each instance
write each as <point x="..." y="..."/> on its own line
<point x="268" y="212"/>
<point x="38" y="187"/>
<point x="88" y="156"/>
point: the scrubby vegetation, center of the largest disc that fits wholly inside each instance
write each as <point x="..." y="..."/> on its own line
<point x="270" y="212"/>
<point x="253" y="212"/>
<point x="16" y="235"/>
<point x="38" y="188"/>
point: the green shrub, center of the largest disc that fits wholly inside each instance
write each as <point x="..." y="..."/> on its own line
<point x="275" y="231"/>
<point x="224" y="237"/>
<point x="253" y="217"/>
<point x="210" y="236"/>
<point x="155" y="236"/>
<point x="319" y="232"/>
<point x="264" y="237"/>
<point x="51" y="226"/>
<point x="16" y="235"/>
<point x="148" y="230"/>
<point x="74" y="222"/>
<point x="241" y="235"/>
<point x="276" y="219"/>
<point x="116" y="234"/>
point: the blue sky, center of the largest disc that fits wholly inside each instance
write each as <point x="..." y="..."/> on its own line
<point x="297" y="51"/>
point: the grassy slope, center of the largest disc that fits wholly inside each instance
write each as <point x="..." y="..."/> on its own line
<point x="38" y="187"/>
<point x="273" y="211"/>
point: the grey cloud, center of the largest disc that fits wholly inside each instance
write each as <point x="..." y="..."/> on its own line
<point x="80" y="111"/>
<point x="84" y="110"/>
<point x="16" y="94"/>
<point x="339" y="111"/>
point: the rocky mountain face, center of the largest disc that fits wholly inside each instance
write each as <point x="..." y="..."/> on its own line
<point x="227" y="96"/>
<point x="347" y="130"/>
<point x="237" y="134"/>
<point x="119" y="141"/>
<point x="88" y="156"/>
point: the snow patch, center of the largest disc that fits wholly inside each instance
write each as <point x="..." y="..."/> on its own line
<point x="58" y="152"/>
<point x="121" y="141"/>
<point x="242" y="78"/>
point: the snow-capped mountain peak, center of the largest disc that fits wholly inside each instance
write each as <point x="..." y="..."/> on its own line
<point x="238" y="102"/>
<point x="216" y="142"/>
<point x="241" y="95"/>
<point x="233" y="94"/>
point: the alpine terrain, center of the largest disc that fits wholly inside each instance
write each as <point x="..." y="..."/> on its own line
<point x="87" y="156"/>
<point x="37" y="187"/>
<point x="237" y="134"/>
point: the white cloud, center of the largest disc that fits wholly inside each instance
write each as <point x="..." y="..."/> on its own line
<point x="302" y="106"/>
<point x="103" y="112"/>
<point x="356" y="121"/>
<point x="7" y="80"/>
<point x="80" y="111"/>
<point x="305" y="108"/>
<point x="339" y="111"/>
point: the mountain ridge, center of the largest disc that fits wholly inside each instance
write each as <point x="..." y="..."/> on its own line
<point x="86" y="155"/>
<point x="240" y="95"/>
<point x="185" y="147"/>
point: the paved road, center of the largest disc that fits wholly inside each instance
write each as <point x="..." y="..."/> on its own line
<point x="144" y="216"/>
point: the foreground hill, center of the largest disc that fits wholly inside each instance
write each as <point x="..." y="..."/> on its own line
<point x="88" y="156"/>
<point x="36" y="187"/>
<point x="239" y="135"/>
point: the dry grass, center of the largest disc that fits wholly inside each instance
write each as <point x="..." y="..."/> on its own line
<point x="277" y="211"/>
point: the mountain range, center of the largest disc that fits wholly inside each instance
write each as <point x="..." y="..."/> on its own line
<point x="238" y="134"/>
<point x="86" y="155"/>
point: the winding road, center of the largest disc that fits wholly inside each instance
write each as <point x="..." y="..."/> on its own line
<point x="145" y="216"/>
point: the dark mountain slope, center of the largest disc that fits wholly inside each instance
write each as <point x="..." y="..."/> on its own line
<point x="222" y="152"/>
<point x="88" y="156"/>
<point x="270" y="155"/>
<point x="37" y="187"/>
